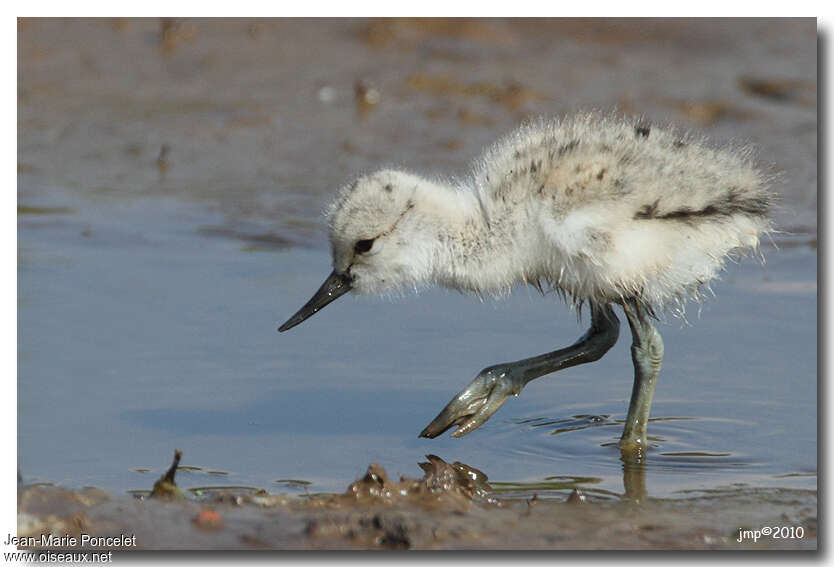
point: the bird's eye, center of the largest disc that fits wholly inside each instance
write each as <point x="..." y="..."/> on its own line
<point x="363" y="246"/>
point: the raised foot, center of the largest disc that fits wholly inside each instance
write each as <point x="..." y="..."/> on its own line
<point x="475" y="403"/>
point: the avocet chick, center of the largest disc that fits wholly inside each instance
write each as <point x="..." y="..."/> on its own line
<point x="603" y="210"/>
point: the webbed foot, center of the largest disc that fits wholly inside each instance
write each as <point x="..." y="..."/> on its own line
<point x="474" y="405"/>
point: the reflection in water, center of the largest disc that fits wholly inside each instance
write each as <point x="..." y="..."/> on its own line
<point x="473" y="482"/>
<point x="443" y="483"/>
<point x="441" y="476"/>
<point x="695" y="454"/>
<point x="584" y="421"/>
<point x="634" y="479"/>
<point x="634" y="482"/>
<point x="293" y="482"/>
<point x="574" y="423"/>
<point x="552" y="484"/>
<point x="634" y="465"/>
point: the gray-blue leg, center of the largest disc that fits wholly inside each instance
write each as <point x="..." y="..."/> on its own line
<point x="647" y="355"/>
<point x="491" y="388"/>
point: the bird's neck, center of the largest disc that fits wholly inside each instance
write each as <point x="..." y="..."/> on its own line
<point x="467" y="241"/>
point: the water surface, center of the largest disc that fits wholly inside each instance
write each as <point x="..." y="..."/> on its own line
<point x="140" y="334"/>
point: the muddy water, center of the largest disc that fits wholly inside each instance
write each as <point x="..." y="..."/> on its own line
<point x="170" y="181"/>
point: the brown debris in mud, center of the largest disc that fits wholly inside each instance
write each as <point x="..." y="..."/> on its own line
<point x="166" y="487"/>
<point x="407" y="517"/>
<point x="367" y="98"/>
<point x="173" y="31"/>
<point x="30" y="210"/>
<point x="208" y="519"/>
<point x="468" y="118"/>
<point x="797" y="91"/>
<point x="448" y="486"/>
<point x="511" y="95"/>
<point x="162" y="162"/>
<point x="577" y="497"/>
<point x="451" y="507"/>
<point x="708" y="112"/>
<point x="408" y="33"/>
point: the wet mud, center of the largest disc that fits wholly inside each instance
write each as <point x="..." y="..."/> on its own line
<point x="451" y="507"/>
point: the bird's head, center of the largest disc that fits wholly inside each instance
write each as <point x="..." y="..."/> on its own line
<point x="380" y="239"/>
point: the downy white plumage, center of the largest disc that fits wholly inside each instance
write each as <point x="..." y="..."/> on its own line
<point x="601" y="209"/>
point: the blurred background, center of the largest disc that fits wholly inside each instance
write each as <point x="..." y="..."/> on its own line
<point x="171" y="176"/>
<point x="262" y="120"/>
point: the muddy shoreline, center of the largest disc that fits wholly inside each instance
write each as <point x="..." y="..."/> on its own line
<point x="450" y="507"/>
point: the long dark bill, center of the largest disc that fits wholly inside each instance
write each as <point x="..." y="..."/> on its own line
<point x="335" y="286"/>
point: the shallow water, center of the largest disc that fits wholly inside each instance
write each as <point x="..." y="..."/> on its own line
<point x="139" y="334"/>
<point x="151" y="281"/>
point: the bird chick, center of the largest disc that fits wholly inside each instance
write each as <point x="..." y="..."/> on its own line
<point x="600" y="209"/>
